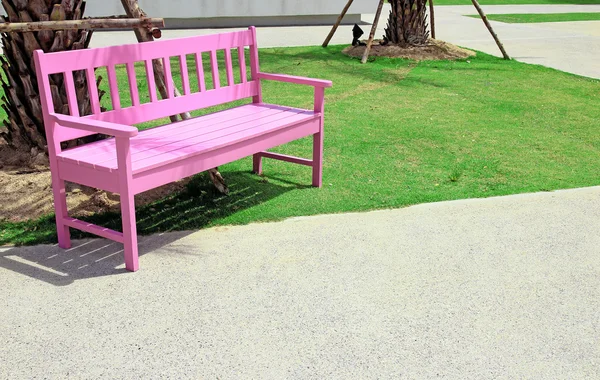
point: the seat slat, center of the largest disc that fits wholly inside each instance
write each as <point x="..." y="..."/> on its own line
<point x="249" y="130"/>
<point x="161" y="144"/>
<point x="172" y="128"/>
<point x="167" y="145"/>
<point x="148" y="141"/>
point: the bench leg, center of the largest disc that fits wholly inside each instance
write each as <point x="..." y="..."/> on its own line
<point x="129" y="232"/>
<point x="257" y="164"/>
<point x="60" y="208"/>
<point x="126" y="195"/>
<point x="317" y="166"/>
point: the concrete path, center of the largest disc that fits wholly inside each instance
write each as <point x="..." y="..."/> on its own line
<point x="569" y="46"/>
<point x="492" y="288"/>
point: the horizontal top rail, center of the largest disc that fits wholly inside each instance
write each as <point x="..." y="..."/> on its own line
<point x="59" y="62"/>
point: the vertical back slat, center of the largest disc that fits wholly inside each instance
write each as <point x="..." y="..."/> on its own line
<point x="242" y="61"/>
<point x="114" y="87"/>
<point x="93" y="90"/>
<point x="150" y="79"/>
<point x="254" y="65"/>
<point x="215" y="69"/>
<point x="184" y="74"/>
<point x="71" y="94"/>
<point x="229" y="67"/>
<point x="200" y="73"/>
<point x="168" y="77"/>
<point x="133" y="88"/>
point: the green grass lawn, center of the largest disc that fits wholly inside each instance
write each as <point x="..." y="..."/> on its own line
<point x="513" y="2"/>
<point x="520" y="18"/>
<point x="397" y="133"/>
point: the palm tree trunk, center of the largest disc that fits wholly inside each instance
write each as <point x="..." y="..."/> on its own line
<point x="24" y="127"/>
<point x="407" y="23"/>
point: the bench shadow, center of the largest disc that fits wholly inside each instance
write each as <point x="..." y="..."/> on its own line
<point x="199" y="206"/>
<point x="87" y="258"/>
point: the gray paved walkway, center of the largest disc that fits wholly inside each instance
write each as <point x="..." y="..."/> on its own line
<point x="478" y="289"/>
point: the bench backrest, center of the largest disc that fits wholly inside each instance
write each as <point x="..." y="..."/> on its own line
<point x="67" y="63"/>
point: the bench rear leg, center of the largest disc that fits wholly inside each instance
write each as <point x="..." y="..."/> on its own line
<point x="317" y="166"/>
<point x="129" y="232"/>
<point x="60" y="208"/>
<point x="257" y="164"/>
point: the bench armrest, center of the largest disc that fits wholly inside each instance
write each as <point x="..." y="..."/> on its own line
<point x="96" y="126"/>
<point x="295" y="79"/>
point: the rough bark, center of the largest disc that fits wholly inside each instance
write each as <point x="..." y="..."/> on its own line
<point x="24" y="127"/>
<point x="89" y="23"/>
<point x="407" y="23"/>
<point x="132" y="9"/>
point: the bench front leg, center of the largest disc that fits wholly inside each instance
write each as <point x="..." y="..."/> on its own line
<point x="127" y="200"/>
<point x="317" y="165"/>
<point x="59" y="194"/>
<point x="60" y="208"/>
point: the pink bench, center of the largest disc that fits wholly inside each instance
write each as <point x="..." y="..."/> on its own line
<point x="133" y="161"/>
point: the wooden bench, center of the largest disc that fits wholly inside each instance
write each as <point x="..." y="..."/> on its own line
<point x="133" y="161"/>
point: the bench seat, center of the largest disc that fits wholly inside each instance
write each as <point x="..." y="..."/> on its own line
<point x="166" y="144"/>
<point x="130" y="161"/>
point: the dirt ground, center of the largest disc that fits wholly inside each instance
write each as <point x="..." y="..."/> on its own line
<point x="26" y="192"/>
<point x="434" y="50"/>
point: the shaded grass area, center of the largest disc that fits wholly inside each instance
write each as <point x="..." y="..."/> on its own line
<point x="522" y="18"/>
<point x="397" y="133"/>
<point x="515" y="2"/>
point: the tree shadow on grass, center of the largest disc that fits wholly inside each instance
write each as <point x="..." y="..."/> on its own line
<point x="198" y="206"/>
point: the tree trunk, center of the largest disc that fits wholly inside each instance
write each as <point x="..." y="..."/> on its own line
<point x="132" y="9"/>
<point x="24" y="128"/>
<point x="407" y="23"/>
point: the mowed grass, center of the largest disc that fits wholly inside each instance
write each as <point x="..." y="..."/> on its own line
<point x="397" y="133"/>
<point x="522" y="18"/>
<point x="515" y="2"/>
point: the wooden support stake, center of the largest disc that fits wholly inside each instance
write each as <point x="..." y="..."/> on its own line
<point x="487" y="24"/>
<point x="431" y="19"/>
<point x="109" y="23"/>
<point x="372" y="34"/>
<point x="337" y="23"/>
<point x="143" y="35"/>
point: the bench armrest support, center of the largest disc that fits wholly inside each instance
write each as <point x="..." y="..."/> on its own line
<point x="294" y="79"/>
<point x="96" y="126"/>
